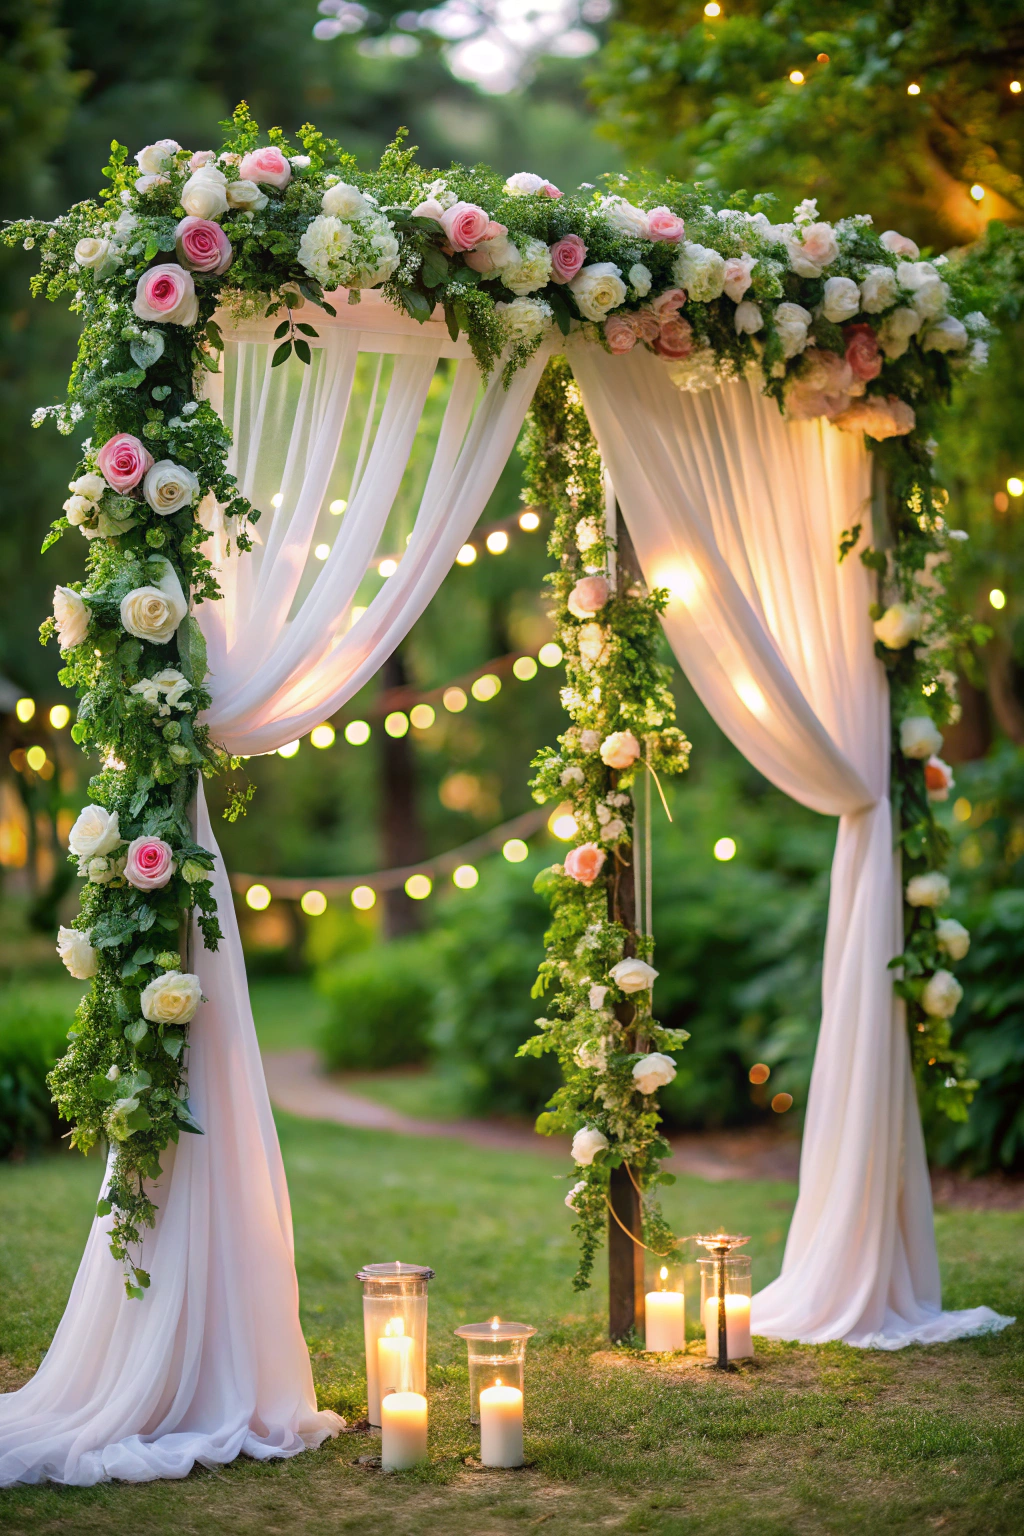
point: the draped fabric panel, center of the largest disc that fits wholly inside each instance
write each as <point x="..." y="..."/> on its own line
<point x="738" y="513"/>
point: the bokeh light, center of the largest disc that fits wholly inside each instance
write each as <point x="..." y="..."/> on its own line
<point x="515" y="850"/>
<point x="322" y="736"/>
<point x="419" y="887"/>
<point x="314" y="903"/>
<point x="289" y="749"/>
<point x="454" y="700"/>
<point x="422" y="716"/>
<point x="524" y="668"/>
<point x="397" y="723"/>
<point x="258" y="898"/>
<point x="59" y="716"/>
<point x="724" y="849"/>
<point x="465" y="877"/>
<point x="363" y="897"/>
<point x="549" y="655"/>
<point x="357" y="733"/>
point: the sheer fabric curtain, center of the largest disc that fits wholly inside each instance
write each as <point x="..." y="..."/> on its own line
<point x="739" y="514"/>
<point x="213" y="1362"/>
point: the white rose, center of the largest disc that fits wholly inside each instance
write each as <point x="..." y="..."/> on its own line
<point x="586" y="1144"/>
<point x="154" y="612"/>
<point x="816" y="248"/>
<point x="900" y="245"/>
<point x="598" y="289"/>
<point x="624" y="218"/>
<point x="953" y="937"/>
<point x="920" y="736"/>
<point x="97" y="255"/>
<point x="748" y="318"/>
<point x="896" y="329"/>
<point x="172" y="684"/>
<point x="205" y="195"/>
<point x="101" y="870"/>
<point x="157" y="157"/>
<point x="570" y="1198"/>
<point x="522" y="184"/>
<point x="247" y="195"/>
<point x="524" y="319"/>
<point x="946" y="335"/>
<point x="941" y="995"/>
<point x="147" y="690"/>
<point x="78" y="508"/>
<point x="596" y="996"/>
<point x="169" y="486"/>
<point x="76" y="952"/>
<point x="930" y="890"/>
<point x="931" y="299"/>
<point x="701" y="271"/>
<point x="72" y="614"/>
<point x="898" y="625"/>
<point x="532" y="269"/>
<point x="343" y="201"/>
<point x="633" y="975"/>
<point x="95" y="832"/>
<point x="913" y="275"/>
<point x="841" y="299"/>
<point x="652" y="1072"/>
<point x="877" y="289"/>
<point x="640" y="279"/>
<point x="791" y="323"/>
<point x="147" y="184"/>
<point x="172" y="998"/>
<point x="91" y="486"/>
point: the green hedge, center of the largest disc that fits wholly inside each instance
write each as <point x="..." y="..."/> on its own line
<point x="381" y="1002"/>
<point x="32" y="1037"/>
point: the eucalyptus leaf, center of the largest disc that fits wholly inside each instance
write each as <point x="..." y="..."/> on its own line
<point x="161" y="391"/>
<point x="147" y="349"/>
<point x="137" y="1032"/>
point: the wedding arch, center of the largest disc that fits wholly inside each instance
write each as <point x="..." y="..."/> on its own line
<point x="267" y="330"/>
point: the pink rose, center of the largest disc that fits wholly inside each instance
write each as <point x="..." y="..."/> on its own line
<point x="669" y="303"/>
<point x="899" y="245"/>
<point x="266" y="165"/>
<point x="584" y="863"/>
<point x="663" y="224"/>
<point x="619" y="334"/>
<point x="737" y="278"/>
<point x="675" y="338"/>
<point x="816" y="248"/>
<point x="465" y="224"/>
<point x="588" y="597"/>
<point x="431" y="209"/>
<point x="644" y="324"/>
<point x="123" y="461"/>
<point x="167" y="292"/>
<point x="862" y="352"/>
<point x="493" y="252"/>
<point x="938" y="779"/>
<point x="149" y="863"/>
<point x="200" y="158"/>
<point x="549" y="190"/>
<point x="567" y="257"/>
<point x="620" y="750"/>
<point x="824" y="387"/>
<point x="877" y="417"/>
<point x="203" y="246"/>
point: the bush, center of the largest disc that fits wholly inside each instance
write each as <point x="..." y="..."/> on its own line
<point x="32" y="1037"/>
<point x="380" y="1006"/>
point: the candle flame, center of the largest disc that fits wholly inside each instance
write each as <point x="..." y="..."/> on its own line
<point x="498" y="1382"/>
<point x="395" y="1329"/>
<point x="495" y="1321"/>
<point x="663" y="1272"/>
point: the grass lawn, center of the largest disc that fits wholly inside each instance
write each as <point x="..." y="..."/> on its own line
<point x="805" y="1440"/>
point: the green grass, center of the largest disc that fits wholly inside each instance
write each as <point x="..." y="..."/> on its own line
<point x="805" y="1440"/>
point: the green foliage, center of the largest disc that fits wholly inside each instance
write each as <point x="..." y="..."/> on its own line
<point x="32" y="1037"/>
<point x="380" y="1002"/>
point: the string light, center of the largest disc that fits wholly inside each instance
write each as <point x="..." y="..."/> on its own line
<point x="549" y="655"/>
<point x="1015" y="87"/>
<point x="387" y="568"/>
<point x="562" y="824"/>
<point x="497" y="542"/>
<point x="258" y="898"/>
<point x="796" y="77"/>
<point x="422" y="716"/>
<point x="357" y="733"/>
<point x="338" y="507"/>
<point x="823" y="58"/>
<point x="454" y="700"/>
<point x="25" y="709"/>
<point x="724" y="849"/>
<point x="322" y="736"/>
<point x="977" y="192"/>
<point x="289" y="749"/>
<point x="322" y="551"/>
<point x="419" y="887"/>
<point x="712" y="8"/>
<point x="363" y="897"/>
<point x="36" y="758"/>
<point x="524" y="668"/>
<point x="529" y="521"/>
<point x="466" y="555"/>
<point x="59" y="716"/>
<point x="314" y="903"/>
<point x="397" y="723"/>
<point x="997" y="598"/>
<point x="486" y="687"/>
<point x="913" y="89"/>
<point x="515" y="850"/>
<point x="1015" y="486"/>
<point x="465" y="877"/>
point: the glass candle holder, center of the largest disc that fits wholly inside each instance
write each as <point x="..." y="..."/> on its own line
<point x="725" y="1292"/>
<point x="394" y="1330"/>
<point x="497" y="1355"/>
<point x="664" y="1303"/>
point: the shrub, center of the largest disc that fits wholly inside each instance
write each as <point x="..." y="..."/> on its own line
<point x="31" y="1039"/>
<point x="380" y="1006"/>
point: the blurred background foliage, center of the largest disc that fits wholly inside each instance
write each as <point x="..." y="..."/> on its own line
<point x="571" y="88"/>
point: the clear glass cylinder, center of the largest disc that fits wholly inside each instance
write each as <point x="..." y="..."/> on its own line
<point x="497" y="1356"/>
<point x="725" y="1290"/>
<point x="664" y="1303"/>
<point x="394" y="1330"/>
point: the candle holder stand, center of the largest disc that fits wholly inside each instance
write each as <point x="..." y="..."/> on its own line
<point x="394" y="1309"/>
<point x="497" y="1354"/>
<point x="722" y="1276"/>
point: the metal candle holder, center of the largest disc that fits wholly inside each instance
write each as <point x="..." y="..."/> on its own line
<point x="719" y="1246"/>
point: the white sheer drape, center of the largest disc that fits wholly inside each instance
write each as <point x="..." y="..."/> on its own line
<point x="739" y="514"/>
<point x="213" y="1362"/>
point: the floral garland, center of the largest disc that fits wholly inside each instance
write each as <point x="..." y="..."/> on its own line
<point x="836" y="321"/>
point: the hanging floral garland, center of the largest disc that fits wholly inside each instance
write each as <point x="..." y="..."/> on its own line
<point x="838" y="322"/>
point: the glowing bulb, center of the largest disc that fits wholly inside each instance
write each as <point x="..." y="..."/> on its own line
<point x="524" y="668"/>
<point x="25" y="709"/>
<point x="977" y="192"/>
<point x="997" y="598"/>
<point x="466" y="555"/>
<point x="1015" y="486"/>
<point x="397" y="723"/>
<point x="338" y="507"/>
<point x="529" y="521"/>
<point x="549" y="655"/>
<point x="1015" y="87"/>
<point x="322" y="551"/>
<point x="276" y="500"/>
<point x="314" y="903"/>
<point x="419" y="887"/>
<point x="796" y="77"/>
<point x="712" y="8"/>
<point x="322" y="736"/>
<point x="562" y="824"/>
<point x="497" y="542"/>
<point x="59" y="716"/>
<point x="486" y="687"/>
<point x="357" y="733"/>
<point x="363" y="897"/>
<point x="36" y="758"/>
<point x="422" y="716"/>
<point x="289" y="749"/>
<point x="258" y="898"/>
<point x="515" y="850"/>
<point x="454" y="700"/>
<point x="387" y="568"/>
<point x="724" y="849"/>
<point x="913" y="89"/>
<point x="465" y="877"/>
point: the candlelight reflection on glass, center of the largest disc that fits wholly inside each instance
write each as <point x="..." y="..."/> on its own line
<point x="725" y="1291"/>
<point x="497" y="1354"/>
<point x="394" y="1330"/>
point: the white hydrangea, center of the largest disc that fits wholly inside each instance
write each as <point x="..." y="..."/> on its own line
<point x="928" y="890"/>
<point x="524" y="319"/>
<point x="324" y="248"/>
<point x="953" y="937"/>
<point x="941" y="995"/>
<point x="530" y="271"/>
<point x="343" y="201"/>
<point x="701" y="271"/>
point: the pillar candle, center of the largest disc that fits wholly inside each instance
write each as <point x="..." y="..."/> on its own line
<point x="501" y="1426"/>
<point x="394" y="1359"/>
<point x="403" y="1430"/>
<point x="737" y="1326"/>
<point x="665" y="1321"/>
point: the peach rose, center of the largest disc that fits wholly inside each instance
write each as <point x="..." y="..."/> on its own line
<point x="643" y="324"/>
<point x="862" y="352"/>
<point x="899" y="245"/>
<point x="567" y="257"/>
<point x="493" y="252"/>
<point x="663" y="224"/>
<point x="620" y="750"/>
<point x="619" y="334"/>
<point x="588" y="597"/>
<point x="738" y="278"/>
<point x="668" y="304"/>
<point x="938" y="779"/>
<point x="266" y="165"/>
<point x="149" y="863"/>
<point x="816" y="248"/>
<point x="203" y="246"/>
<point x="585" y="863"/>
<point x="675" y="338"/>
<point x="877" y="417"/>
<point x="123" y="461"/>
<point x="465" y="224"/>
<point x="166" y="292"/>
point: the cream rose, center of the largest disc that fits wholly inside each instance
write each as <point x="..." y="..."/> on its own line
<point x="899" y="625"/>
<point x="597" y="289"/>
<point x="877" y="289"/>
<point x="946" y="335"/>
<point x="530" y="271"/>
<point x="941" y="996"/>
<point x="205" y="194"/>
<point x="172" y="998"/>
<point x="841" y="299"/>
<point x="748" y="318"/>
<point x="653" y="1071"/>
<point x="701" y="271"/>
<point x="77" y="953"/>
<point x="620" y="749"/>
<point x="896" y="329"/>
<point x="928" y="890"/>
<point x="953" y="937"/>
<point x="154" y="612"/>
<point x="624" y="218"/>
<point x="96" y="832"/>
<point x="586" y="1144"/>
<point x="72" y="615"/>
<point x="791" y="324"/>
<point x="899" y="245"/>
<point x="97" y="256"/>
<point x="633" y="975"/>
<point x="920" y="736"/>
<point x="246" y="195"/>
<point x="157" y="157"/>
<point x="816" y="249"/>
<point x="169" y="487"/>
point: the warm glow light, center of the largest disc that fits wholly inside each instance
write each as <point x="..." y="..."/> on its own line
<point x="35" y="757"/>
<point x="529" y="521"/>
<point x="289" y="749"/>
<point x="322" y="736"/>
<point x="356" y="615"/>
<point x="712" y="8"/>
<point x="275" y="501"/>
<point x="387" y="568"/>
<point x="724" y="849"/>
<point x="465" y="877"/>
<point x="339" y="506"/>
<point x="419" y="887"/>
<point x="357" y="733"/>
<point x="759" y="1073"/>
<point x="454" y="700"/>
<point x="796" y="77"/>
<point x="59" y="716"/>
<point x="322" y="551"/>
<point x="497" y="542"/>
<point x="397" y="723"/>
<point x="314" y="903"/>
<point x="751" y="695"/>
<point x="466" y="555"/>
<point x="683" y="584"/>
<point x="962" y="809"/>
<point x="549" y="655"/>
<point x="822" y="58"/>
<point x="1015" y="486"/>
<point x="913" y="89"/>
<point x="257" y="897"/>
<point x="524" y="668"/>
<point x="25" y="709"/>
<point x="363" y="897"/>
<point x="486" y="687"/>
<point x="1015" y="87"/>
<point x="422" y="716"/>
<point x="977" y="192"/>
<point x="515" y="850"/>
<point x="997" y="598"/>
<point x="782" y="1102"/>
<point x="562" y="824"/>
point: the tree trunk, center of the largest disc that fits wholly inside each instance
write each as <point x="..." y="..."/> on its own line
<point x="401" y="830"/>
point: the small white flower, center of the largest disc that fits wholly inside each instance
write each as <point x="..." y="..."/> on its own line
<point x="588" y="533"/>
<point x="953" y="937"/>
<point x="113" y="1073"/>
<point x="571" y="775"/>
<point x="592" y="1055"/>
<point x="247" y="195"/>
<point x="945" y="335"/>
<point x="596" y="996"/>
<point x="929" y="890"/>
<point x="701" y="271"/>
<point x="941" y="995"/>
<point x="586" y="1144"/>
<point x="792" y="322"/>
<point x="524" y="319"/>
<point x="653" y="1071"/>
<point x="640" y="279"/>
<point x="899" y="625"/>
<point x="570" y="1198"/>
<point x="624" y="218"/>
<point x="920" y="736"/>
<point x="157" y="157"/>
<point x="72" y="615"/>
<point x="90" y="486"/>
<point x="522" y="184"/>
<point x="613" y="830"/>
<point x="633" y="975"/>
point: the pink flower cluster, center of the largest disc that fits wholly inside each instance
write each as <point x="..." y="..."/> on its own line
<point x="659" y="324"/>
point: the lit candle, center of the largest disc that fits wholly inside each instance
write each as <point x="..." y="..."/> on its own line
<point x="403" y="1430"/>
<point x="737" y="1326"/>
<point x="394" y="1359"/>
<point x="664" y="1319"/>
<point x="501" y="1426"/>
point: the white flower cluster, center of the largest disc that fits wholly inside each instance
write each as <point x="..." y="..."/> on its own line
<point x="350" y="244"/>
